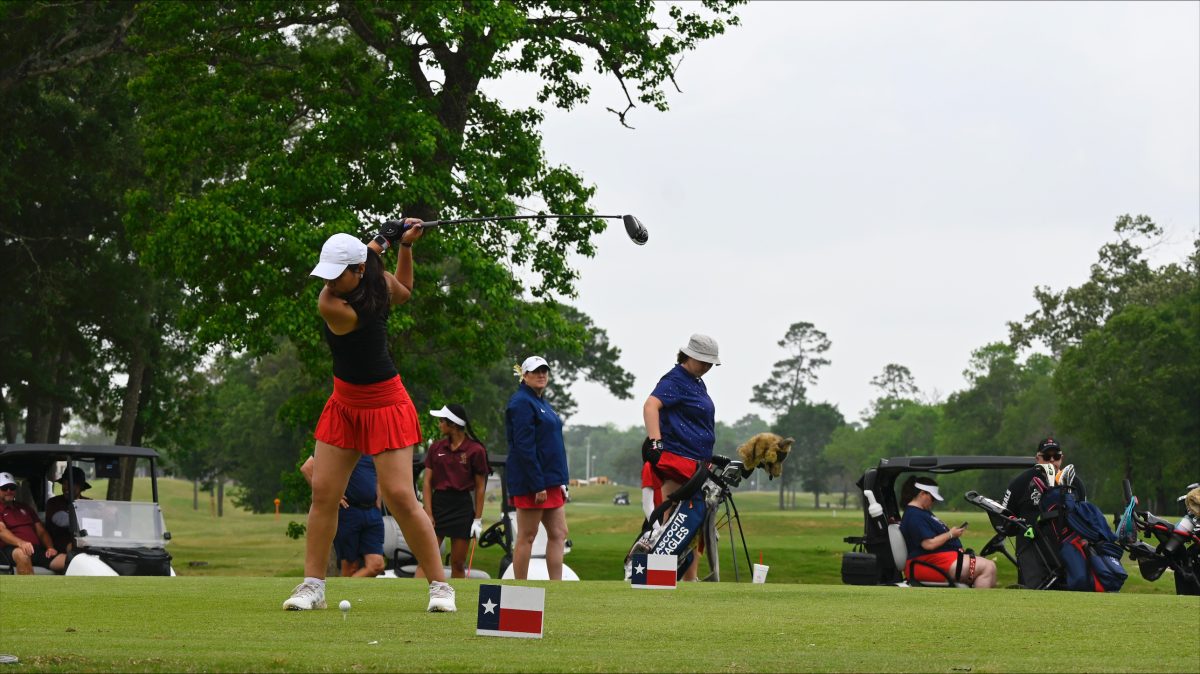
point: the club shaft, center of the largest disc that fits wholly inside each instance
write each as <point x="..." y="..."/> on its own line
<point x="498" y="218"/>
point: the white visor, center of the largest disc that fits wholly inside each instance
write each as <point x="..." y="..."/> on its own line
<point x="933" y="490"/>
<point x="446" y="414"/>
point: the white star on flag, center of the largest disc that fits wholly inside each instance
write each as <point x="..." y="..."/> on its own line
<point x="639" y="568"/>
<point x="489" y="606"/>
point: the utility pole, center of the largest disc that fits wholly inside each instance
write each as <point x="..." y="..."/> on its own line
<point x="588" y="444"/>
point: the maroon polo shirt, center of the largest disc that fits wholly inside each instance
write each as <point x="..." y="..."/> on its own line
<point x="21" y="521"/>
<point x="455" y="469"/>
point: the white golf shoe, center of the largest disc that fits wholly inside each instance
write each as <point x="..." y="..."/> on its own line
<point x="441" y="598"/>
<point x="305" y="597"/>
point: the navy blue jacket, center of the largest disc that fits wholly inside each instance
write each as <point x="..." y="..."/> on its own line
<point x="537" y="458"/>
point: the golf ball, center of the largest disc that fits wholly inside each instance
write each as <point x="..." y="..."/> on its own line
<point x="345" y="605"/>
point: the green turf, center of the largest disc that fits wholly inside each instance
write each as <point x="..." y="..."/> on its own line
<point x="800" y="546"/>
<point x="225" y="615"/>
<point x="236" y="624"/>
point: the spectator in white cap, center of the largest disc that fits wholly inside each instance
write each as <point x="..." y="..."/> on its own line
<point x="680" y="420"/>
<point x="24" y="542"/>
<point x="931" y="542"/>
<point x="370" y="412"/>
<point x="536" y="469"/>
<point x="456" y="472"/>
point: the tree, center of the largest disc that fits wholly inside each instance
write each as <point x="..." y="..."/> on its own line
<point x="1131" y="390"/>
<point x="895" y="383"/>
<point x="812" y="426"/>
<point x="1124" y="384"/>
<point x="270" y="125"/>
<point x="1064" y="318"/>
<point x="791" y="376"/>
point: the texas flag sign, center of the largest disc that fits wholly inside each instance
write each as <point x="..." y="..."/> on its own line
<point x="510" y="611"/>
<point x="653" y="572"/>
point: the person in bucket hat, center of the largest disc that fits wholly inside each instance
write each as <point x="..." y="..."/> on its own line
<point x="680" y="419"/>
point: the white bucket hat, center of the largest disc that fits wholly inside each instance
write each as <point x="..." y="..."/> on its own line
<point x="702" y="348"/>
<point x="340" y="251"/>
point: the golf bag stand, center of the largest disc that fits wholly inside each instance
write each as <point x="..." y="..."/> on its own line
<point x="727" y="521"/>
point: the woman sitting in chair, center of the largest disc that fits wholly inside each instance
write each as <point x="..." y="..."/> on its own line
<point x="932" y="544"/>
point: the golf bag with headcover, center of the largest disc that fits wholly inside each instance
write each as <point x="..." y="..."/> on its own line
<point x="685" y="523"/>
<point x="1088" y="546"/>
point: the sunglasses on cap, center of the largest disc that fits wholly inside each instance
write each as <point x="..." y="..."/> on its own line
<point x="1052" y="455"/>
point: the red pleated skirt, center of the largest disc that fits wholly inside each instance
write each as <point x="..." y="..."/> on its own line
<point x="369" y="418"/>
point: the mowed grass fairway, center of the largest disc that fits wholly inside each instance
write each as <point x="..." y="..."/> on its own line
<point x="226" y="615"/>
<point x="235" y="624"/>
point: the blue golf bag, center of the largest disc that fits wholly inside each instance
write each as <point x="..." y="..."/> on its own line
<point x="1088" y="546"/>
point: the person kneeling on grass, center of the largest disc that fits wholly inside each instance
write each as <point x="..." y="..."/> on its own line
<point x="932" y="542"/>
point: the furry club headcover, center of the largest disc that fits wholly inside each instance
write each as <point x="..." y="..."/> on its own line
<point x="767" y="450"/>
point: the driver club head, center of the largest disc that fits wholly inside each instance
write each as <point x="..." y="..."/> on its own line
<point x="636" y="231"/>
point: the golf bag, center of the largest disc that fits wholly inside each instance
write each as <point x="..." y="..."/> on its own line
<point x="1088" y="546"/>
<point x="691" y="515"/>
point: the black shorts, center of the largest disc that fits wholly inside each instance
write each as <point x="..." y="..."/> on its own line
<point x="453" y="512"/>
<point x="39" y="556"/>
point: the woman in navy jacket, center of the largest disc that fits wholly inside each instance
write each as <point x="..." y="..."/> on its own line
<point x="536" y="469"/>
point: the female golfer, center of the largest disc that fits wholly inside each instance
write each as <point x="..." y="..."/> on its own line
<point x="370" y="411"/>
<point x="681" y="419"/>
<point x="536" y="469"/>
<point x="456" y="470"/>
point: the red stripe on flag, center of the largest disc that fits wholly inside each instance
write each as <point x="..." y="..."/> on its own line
<point x="655" y="577"/>
<point x="516" y="620"/>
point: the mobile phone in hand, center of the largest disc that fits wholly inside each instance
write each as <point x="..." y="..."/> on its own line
<point x="963" y="525"/>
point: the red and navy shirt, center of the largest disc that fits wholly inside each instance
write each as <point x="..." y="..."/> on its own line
<point x="455" y="469"/>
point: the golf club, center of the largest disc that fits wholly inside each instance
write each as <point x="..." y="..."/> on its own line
<point x="633" y="227"/>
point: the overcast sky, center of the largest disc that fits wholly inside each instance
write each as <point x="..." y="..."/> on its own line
<point x="900" y="175"/>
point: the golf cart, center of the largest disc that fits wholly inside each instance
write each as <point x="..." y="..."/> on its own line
<point x="111" y="538"/>
<point x="880" y="554"/>
<point x="621" y="498"/>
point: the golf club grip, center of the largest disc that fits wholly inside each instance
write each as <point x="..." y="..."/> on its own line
<point x="1128" y="490"/>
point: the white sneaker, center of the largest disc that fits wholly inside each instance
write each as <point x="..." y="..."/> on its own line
<point x="305" y="597"/>
<point x="441" y="598"/>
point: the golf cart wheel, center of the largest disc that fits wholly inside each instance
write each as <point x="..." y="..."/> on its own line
<point x="493" y="535"/>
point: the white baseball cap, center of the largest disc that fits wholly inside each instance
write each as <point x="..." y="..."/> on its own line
<point x="446" y="414"/>
<point x="7" y="479"/>
<point x="932" y="489"/>
<point x="340" y="251"/>
<point x="702" y="348"/>
<point x="532" y="363"/>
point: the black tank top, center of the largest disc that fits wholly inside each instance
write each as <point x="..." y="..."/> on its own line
<point x="361" y="355"/>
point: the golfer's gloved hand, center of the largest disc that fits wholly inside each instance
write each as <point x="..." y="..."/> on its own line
<point x="476" y="527"/>
<point x="392" y="230"/>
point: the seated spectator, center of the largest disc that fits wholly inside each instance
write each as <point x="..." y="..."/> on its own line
<point x="932" y="542"/>
<point x="24" y="542"/>
<point x="58" y="517"/>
